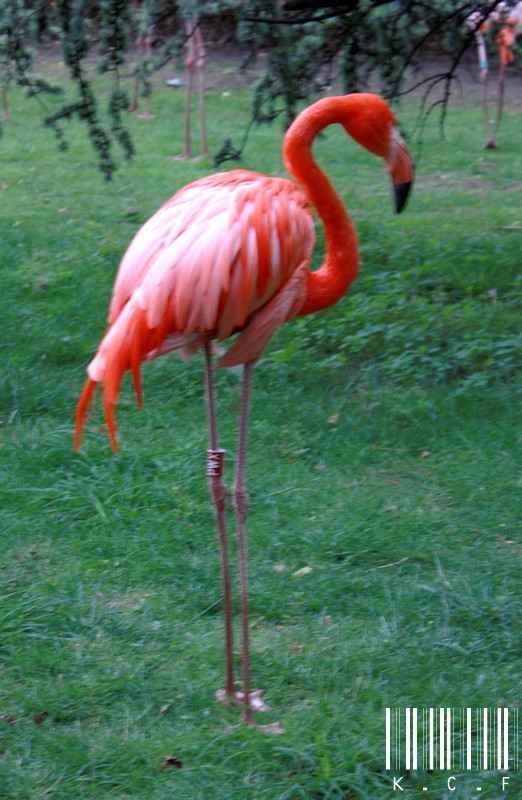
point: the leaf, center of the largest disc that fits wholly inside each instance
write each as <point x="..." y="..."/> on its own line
<point x="425" y="454"/>
<point x="302" y="571"/>
<point x="171" y="762"/>
<point x="334" y="419"/>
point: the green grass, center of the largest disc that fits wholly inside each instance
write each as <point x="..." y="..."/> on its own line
<point x="384" y="473"/>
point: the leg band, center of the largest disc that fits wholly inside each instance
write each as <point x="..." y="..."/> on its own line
<point x="215" y="463"/>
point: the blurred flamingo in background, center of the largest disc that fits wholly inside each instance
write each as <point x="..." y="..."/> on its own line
<point x="508" y="22"/>
<point x="230" y="254"/>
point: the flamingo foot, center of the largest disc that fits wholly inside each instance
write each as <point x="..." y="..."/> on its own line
<point x="146" y="115"/>
<point x="224" y="696"/>
<point x="490" y="144"/>
<point x="255" y="702"/>
<point x="274" y="729"/>
<point x="186" y="156"/>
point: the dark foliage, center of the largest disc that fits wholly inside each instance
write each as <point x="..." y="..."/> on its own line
<point x="306" y="42"/>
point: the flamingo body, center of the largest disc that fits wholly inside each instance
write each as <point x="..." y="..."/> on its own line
<point x="217" y="251"/>
<point x="227" y="253"/>
<point x="230" y="254"/>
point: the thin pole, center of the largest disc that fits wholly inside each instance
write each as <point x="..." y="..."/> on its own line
<point x="218" y="491"/>
<point x="241" y="502"/>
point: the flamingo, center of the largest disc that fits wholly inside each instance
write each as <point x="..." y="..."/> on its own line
<point x="230" y="253"/>
<point x="509" y="22"/>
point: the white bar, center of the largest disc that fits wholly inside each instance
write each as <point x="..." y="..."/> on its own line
<point x="499" y="738"/>
<point x="414" y="765"/>
<point x="408" y="714"/>
<point x="448" y="738"/>
<point x="468" y="738"/>
<point x="485" y="741"/>
<point x="479" y="737"/>
<point x="398" y="737"/>
<point x="441" y="737"/>
<point x="423" y="739"/>
<point x="506" y="739"/>
<point x="432" y="748"/>
<point x="388" y="738"/>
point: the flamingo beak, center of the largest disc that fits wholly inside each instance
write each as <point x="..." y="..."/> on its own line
<point x="401" y="168"/>
<point x="401" y="192"/>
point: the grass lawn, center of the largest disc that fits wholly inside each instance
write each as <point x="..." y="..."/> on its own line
<point x="384" y="473"/>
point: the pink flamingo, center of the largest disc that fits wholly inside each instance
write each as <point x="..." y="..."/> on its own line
<point x="229" y="254"/>
<point x="508" y="20"/>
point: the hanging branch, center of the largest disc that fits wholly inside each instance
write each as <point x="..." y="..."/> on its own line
<point x="15" y="55"/>
<point x="366" y="38"/>
<point x="304" y="41"/>
<point x="75" y="45"/>
<point x="115" y="22"/>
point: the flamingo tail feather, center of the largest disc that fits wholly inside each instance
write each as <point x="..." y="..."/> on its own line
<point x="82" y="410"/>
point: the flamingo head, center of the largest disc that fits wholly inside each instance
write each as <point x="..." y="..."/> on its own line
<point x="369" y="120"/>
<point x="401" y="167"/>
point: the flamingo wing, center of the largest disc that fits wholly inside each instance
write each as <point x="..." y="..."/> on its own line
<point x="237" y="234"/>
<point x="264" y="323"/>
<point x="205" y="266"/>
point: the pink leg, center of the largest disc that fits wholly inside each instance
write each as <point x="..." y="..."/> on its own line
<point x="190" y="62"/>
<point x="218" y="492"/>
<point x="241" y="502"/>
<point x="147" y="46"/>
<point x="484" y="78"/>
<point x="201" y="62"/>
<point x="251" y="700"/>
<point x="147" y="113"/>
<point x="134" y="104"/>
<point x="5" y="110"/>
<point x="501" y="89"/>
<point x="135" y="95"/>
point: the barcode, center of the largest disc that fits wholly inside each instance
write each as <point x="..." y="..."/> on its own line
<point x="452" y="738"/>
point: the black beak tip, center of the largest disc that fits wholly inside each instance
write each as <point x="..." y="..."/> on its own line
<point x="401" y="191"/>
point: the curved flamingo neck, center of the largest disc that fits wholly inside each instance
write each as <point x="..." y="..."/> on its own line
<point x="341" y="264"/>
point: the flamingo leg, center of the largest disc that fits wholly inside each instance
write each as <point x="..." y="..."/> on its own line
<point x="190" y="61"/>
<point x="241" y="503"/>
<point x="147" y="51"/>
<point x="501" y="89"/>
<point x="490" y="139"/>
<point x="218" y="492"/>
<point x="201" y="61"/>
<point x="5" y="109"/>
